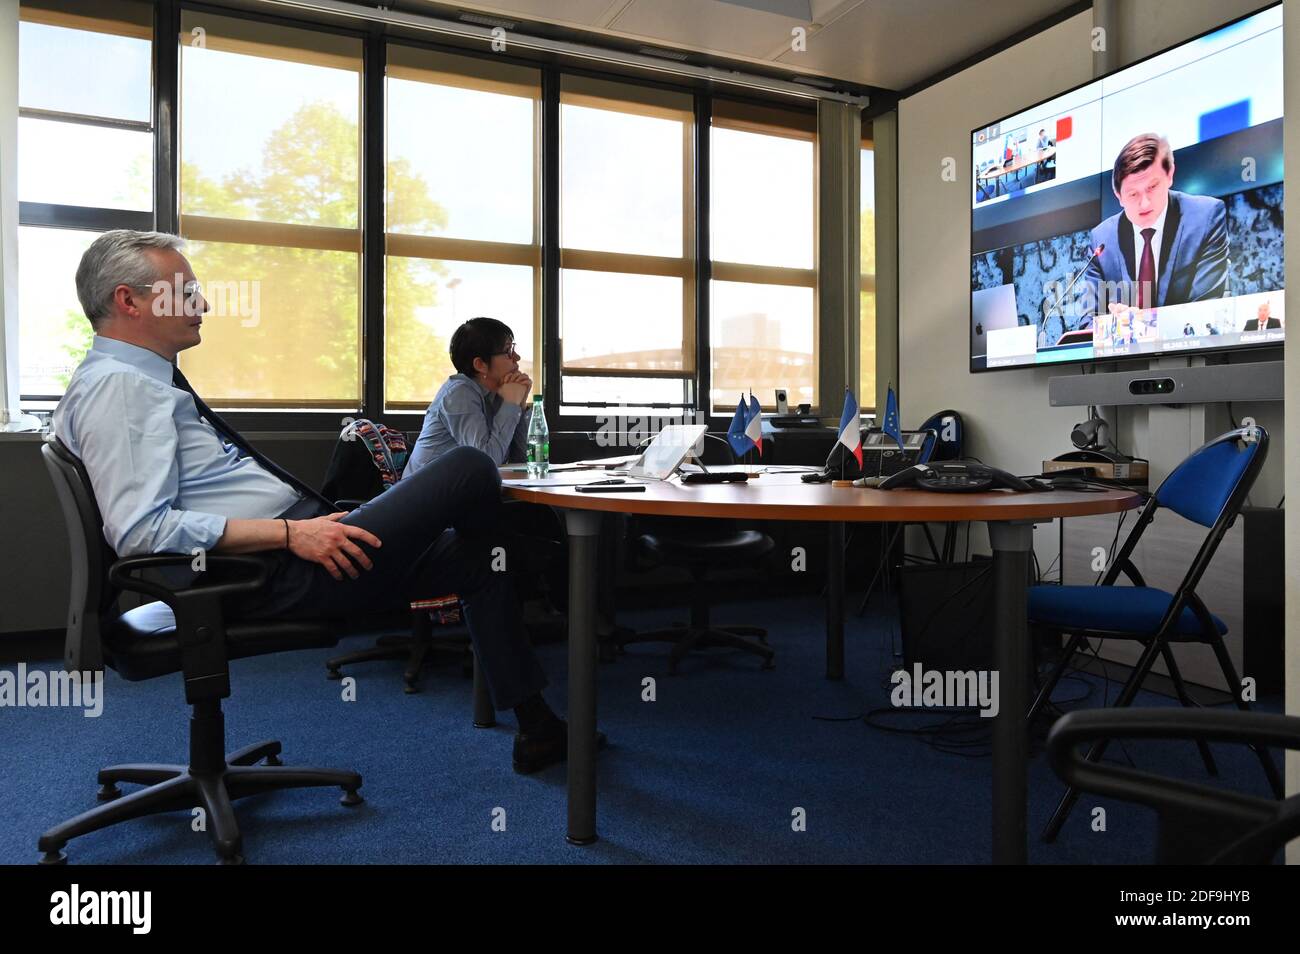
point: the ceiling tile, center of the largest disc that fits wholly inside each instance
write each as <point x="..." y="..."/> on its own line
<point x="895" y="43"/>
<point x="722" y="28"/>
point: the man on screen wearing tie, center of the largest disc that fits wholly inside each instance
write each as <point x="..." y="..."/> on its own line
<point x="1164" y="247"/>
<point x="170" y="475"/>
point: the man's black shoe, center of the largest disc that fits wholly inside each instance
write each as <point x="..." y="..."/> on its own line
<point x="534" y="751"/>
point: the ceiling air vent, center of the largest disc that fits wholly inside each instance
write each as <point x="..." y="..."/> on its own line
<point x="677" y="55"/>
<point x="480" y="19"/>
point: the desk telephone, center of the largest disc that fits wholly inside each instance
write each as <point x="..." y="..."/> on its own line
<point x="955" y="476"/>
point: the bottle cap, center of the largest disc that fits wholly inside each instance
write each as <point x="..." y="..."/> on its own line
<point x="536" y="398"/>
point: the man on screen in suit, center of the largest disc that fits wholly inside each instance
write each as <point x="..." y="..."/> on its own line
<point x="170" y="475"/>
<point x="1262" y="320"/>
<point x="1164" y="247"/>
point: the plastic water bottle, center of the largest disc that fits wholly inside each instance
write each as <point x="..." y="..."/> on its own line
<point x="539" y="441"/>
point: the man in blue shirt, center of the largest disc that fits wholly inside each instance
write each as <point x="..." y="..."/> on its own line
<point x="484" y="405"/>
<point x="169" y="475"/>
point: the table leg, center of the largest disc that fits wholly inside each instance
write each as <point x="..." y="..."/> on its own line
<point x="485" y="717"/>
<point x="1012" y="543"/>
<point x="835" y="600"/>
<point x="583" y="527"/>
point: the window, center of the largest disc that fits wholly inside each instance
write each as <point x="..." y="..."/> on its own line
<point x="85" y="165"/>
<point x="463" y="227"/>
<point x="867" y="296"/>
<point x="762" y="319"/>
<point x="627" y="250"/>
<point x="270" y="162"/>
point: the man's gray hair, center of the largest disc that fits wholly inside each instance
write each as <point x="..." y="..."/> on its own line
<point x="118" y="258"/>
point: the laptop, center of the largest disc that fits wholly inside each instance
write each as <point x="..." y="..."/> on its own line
<point x="667" y="451"/>
<point x="992" y="309"/>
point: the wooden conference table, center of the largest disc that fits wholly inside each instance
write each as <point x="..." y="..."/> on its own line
<point x="1010" y="518"/>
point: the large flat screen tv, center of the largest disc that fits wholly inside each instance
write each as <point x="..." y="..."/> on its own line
<point x="1138" y="215"/>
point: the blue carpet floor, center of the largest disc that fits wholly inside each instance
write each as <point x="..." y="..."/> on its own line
<point x="710" y="772"/>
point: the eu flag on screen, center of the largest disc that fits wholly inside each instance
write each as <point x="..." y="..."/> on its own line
<point x="736" y="432"/>
<point x="890" y="425"/>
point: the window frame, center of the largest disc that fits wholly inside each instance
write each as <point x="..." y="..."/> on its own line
<point x="91" y="218"/>
<point x="272" y="414"/>
<point x="452" y="249"/>
<point x="744" y="273"/>
<point x="686" y="267"/>
<point x="373" y="238"/>
<point x="867" y="281"/>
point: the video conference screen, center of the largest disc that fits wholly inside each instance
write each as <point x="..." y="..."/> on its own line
<point x="1138" y="215"/>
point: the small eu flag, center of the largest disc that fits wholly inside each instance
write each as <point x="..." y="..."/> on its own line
<point x="890" y="425"/>
<point x="736" y="437"/>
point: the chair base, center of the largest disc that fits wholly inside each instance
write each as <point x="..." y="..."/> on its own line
<point x="178" y="787"/>
<point x="211" y="781"/>
<point x="688" y="638"/>
<point x="418" y="652"/>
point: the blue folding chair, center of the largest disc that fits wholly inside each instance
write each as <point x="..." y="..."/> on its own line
<point x="1208" y="488"/>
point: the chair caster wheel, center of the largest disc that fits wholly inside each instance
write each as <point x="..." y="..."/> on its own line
<point x="232" y="860"/>
<point x="272" y="760"/>
<point x="351" y="798"/>
<point x="410" y="688"/>
<point x="333" y="674"/>
<point x="108" y="791"/>
<point x="769" y="664"/>
<point x="54" y="856"/>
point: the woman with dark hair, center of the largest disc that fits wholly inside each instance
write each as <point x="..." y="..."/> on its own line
<point x="484" y="405"/>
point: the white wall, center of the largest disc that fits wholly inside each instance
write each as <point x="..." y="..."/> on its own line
<point x="1009" y="422"/>
<point x="1291" y="19"/>
<point x="8" y="207"/>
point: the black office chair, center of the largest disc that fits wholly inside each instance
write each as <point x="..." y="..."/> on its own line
<point x="186" y="632"/>
<point x="1197" y="824"/>
<point x="1208" y="488"/>
<point x="700" y="545"/>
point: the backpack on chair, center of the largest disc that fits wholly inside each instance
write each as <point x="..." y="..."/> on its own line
<point x="368" y="459"/>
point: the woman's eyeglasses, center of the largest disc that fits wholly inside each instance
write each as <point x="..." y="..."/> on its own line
<point x="512" y="353"/>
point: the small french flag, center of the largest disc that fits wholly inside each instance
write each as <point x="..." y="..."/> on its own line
<point x="754" y="423"/>
<point x="850" y="428"/>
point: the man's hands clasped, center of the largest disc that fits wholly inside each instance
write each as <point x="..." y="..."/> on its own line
<point x="326" y="541"/>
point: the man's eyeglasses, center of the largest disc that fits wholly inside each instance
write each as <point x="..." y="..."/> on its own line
<point x="191" y="290"/>
<point x="192" y="295"/>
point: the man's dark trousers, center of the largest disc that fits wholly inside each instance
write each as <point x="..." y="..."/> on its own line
<point x="437" y="531"/>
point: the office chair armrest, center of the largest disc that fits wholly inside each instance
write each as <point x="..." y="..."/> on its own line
<point x="1273" y="823"/>
<point x="119" y="574"/>
<point x="1229" y="725"/>
<point x="349" y="503"/>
